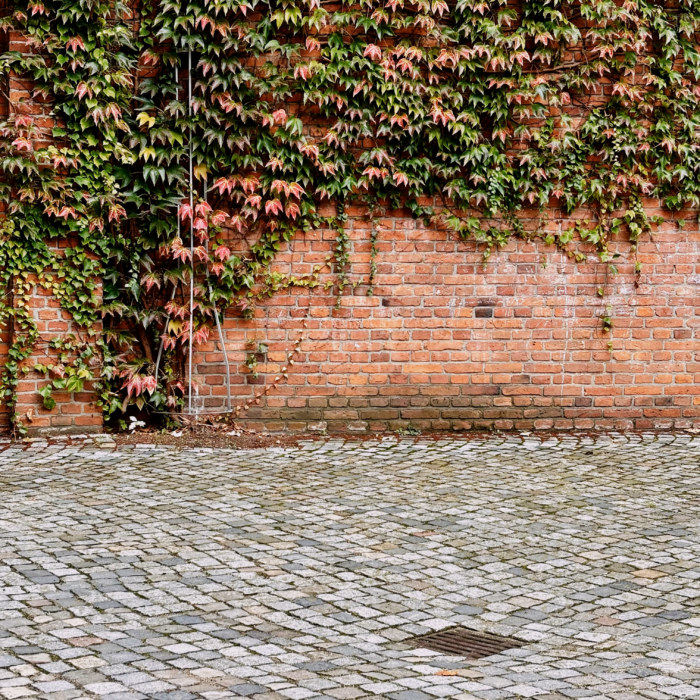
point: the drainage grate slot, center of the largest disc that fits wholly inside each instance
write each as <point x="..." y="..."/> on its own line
<point x="460" y="641"/>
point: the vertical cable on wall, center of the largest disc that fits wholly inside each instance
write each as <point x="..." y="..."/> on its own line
<point x="192" y="271"/>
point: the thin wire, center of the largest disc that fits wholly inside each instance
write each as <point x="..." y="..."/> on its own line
<point x="177" y="216"/>
<point x="189" y="114"/>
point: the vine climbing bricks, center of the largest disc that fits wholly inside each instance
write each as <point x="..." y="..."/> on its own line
<point x="448" y="343"/>
<point x="445" y="342"/>
<point x="74" y="412"/>
<point x="260" y="183"/>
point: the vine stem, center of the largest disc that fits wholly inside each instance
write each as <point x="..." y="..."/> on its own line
<point x="289" y="362"/>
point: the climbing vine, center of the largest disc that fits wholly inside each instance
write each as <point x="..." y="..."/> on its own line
<point x="482" y="108"/>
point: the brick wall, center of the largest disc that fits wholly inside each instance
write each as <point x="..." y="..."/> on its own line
<point x="446" y="343"/>
<point x="74" y="412"/>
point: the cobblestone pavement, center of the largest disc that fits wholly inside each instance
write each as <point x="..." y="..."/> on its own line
<point x="300" y="573"/>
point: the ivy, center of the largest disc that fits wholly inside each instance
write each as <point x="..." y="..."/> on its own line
<point x="483" y="108"/>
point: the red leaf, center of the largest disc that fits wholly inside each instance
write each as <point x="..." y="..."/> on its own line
<point x="202" y="208"/>
<point x="134" y="386"/>
<point x="280" y="116"/>
<point x="181" y="253"/>
<point x="279" y="186"/>
<point x="22" y="144"/>
<point x="249" y="184"/>
<point x="273" y="206"/>
<point x="222" y="252"/>
<point x="201" y="334"/>
<point x="296" y="189"/>
<point x="66" y="212"/>
<point x="302" y="71"/>
<point x="373" y="51"/>
<point x="175" y="310"/>
<point x="74" y="43"/>
<point x="116" y="212"/>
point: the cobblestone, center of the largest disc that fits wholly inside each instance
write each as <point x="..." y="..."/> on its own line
<point x="300" y="573"/>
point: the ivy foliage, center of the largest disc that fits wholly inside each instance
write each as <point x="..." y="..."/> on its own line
<point x="482" y="108"/>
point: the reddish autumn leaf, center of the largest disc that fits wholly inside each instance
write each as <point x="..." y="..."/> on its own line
<point x="222" y="252"/>
<point x="201" y="334"/>
<point x="373" y="52"/>
<point x="116" y="212"/>
<point x="181" y="253"/>
<point x="75" y="43"/>
<point x="134" y="386"/>
<point x="202" y="208"/>
<point x="273" y="206"/>
<point x="280" y="116"/>
<point x="218" y="218"/>
<point x="22" y="144"/>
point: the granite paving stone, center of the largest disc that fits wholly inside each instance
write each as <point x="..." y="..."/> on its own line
<point x="301" y="573"/>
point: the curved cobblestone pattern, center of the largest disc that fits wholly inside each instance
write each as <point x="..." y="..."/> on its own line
<point x="301" y="573"/>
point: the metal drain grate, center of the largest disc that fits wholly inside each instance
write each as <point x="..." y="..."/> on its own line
<point x="460" y="641"/>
